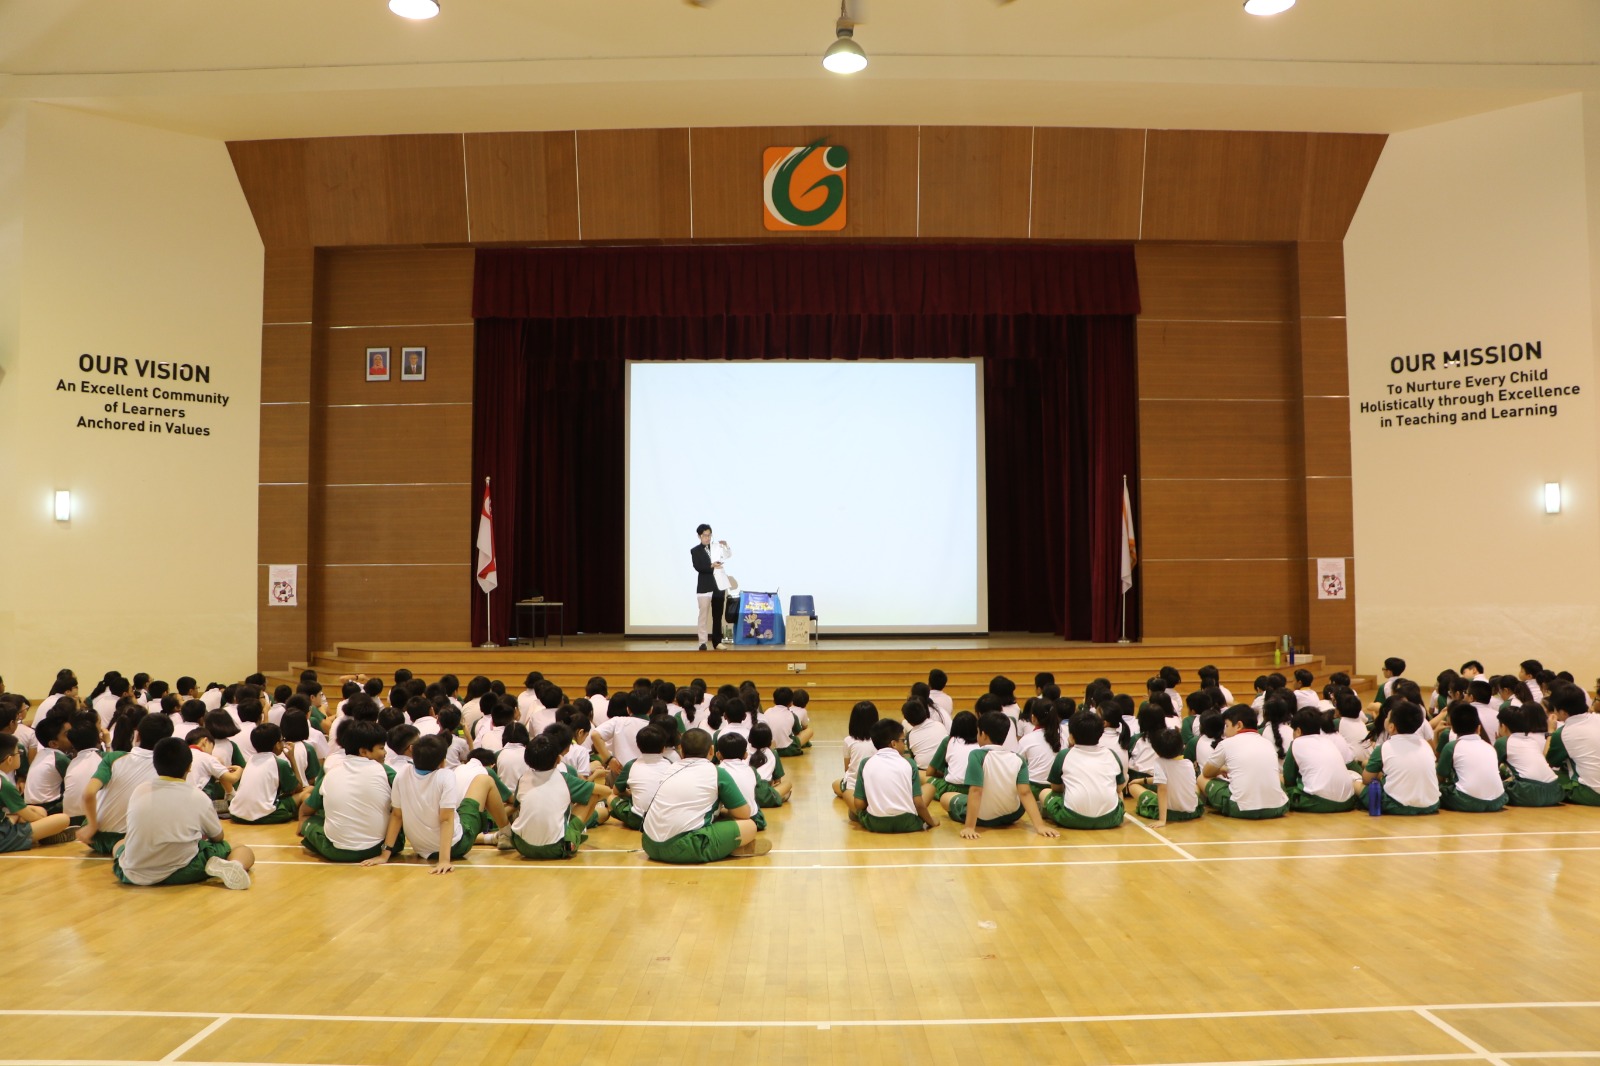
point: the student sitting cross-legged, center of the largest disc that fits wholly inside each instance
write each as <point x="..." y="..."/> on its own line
<point x="1575" y="747"/>
<point x="889" y="796"/>
<point x="789" y="737"/>
<point x="636" y="785"/>
<point x="1086" y="778"/>
<point x="1404" y="762"/>
<point x="1173" y="794"/>
<point x="997" y="784"/>
<point x="346" y="815"/>
<point x="545" y="826"/>
<point x="771" y="788"/>
<point x="698" y="814"/>
<point x="173" y="834"/>
<point x="1469" y="769"/>
<point x="106" y="796"/>
<point x="24" y="825"/>
<point x="732" y="749"/>
<point x="270" y="790"/>
<point x="1530" y="780"/>
<point x="1315" y="772"/>
<point x="440" y="819"/>
<point x="1242" y="773"/>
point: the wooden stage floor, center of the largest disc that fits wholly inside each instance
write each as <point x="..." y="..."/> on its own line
<point x="1314" y="939"/>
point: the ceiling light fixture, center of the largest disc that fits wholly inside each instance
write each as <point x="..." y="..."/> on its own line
<point x="415" y="9"/>
<point x="844" y="56"/>
<point x="1267" y="7"/>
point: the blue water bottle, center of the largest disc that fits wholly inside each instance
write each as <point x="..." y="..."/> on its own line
<point x="1375" y="798"/>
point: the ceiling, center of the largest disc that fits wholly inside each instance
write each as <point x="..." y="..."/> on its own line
<point x="329" y="67"/>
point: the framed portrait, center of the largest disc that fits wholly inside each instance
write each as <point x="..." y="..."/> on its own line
<point x="377" y="364"/>
<point x="413" y="364"/>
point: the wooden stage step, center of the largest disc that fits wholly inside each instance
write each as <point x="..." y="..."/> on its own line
<point x="836" y="672"/>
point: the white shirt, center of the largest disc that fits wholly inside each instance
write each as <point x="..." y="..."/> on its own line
<point x="922" y="741"/>
<point x="544" y="803"/>
<point x="203" y="768"/>
<point x="1036" y="750"/>
<point x="998" y="781"/>
<point x="1251" y="763"/>
<point x="105" y="705"/>
<point x="79" y="771"/>
<point x="781" y="721"/>
<point x="355" y="804"/>
<point x="887" y="778"/>
<point x="1322" y="768"/>
<point x="256" y="794"/>
<point x="621" y="736"/>
<point x="427" y="725"/>
<point x="1305" y="697"/>
<point x="855" y="751"/>
<point x="1204" y="748"/>
<point x="489" y="736"/>
<point x="512" y="764"/>
<point x="1089" y="774"/>
<point x="1580" y="734"/>
<point x="1183" y="792"/>
<point x="1477" y="768"/>
<point x="420" y="797"/>
<point x="128" y="771"/>
<point x="741" y="728"/>
<point x="1410" y="775"/>
<point x="1525" y="756"/>
<point x="956" y="752"/>
<point x="645" y="775"/>
<point x="943" y="706"/>
<point x="744" y="777"/>
<point x="167" y="819"/>
<point x="527" y="703"/>
<point x="687" y="798"/>
<point x="1354" y="732"/>
<point x="540" y="718"/>
<point x="212" y="698"/>
<point x="601" y="706"/>
<point x="44" y="778"/>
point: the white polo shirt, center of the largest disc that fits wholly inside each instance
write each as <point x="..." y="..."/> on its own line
<point x="922" y="741"/>
<point x="1525" y="756"/>
<point x="688" y="798"/>
<point x="621" y="736"/>
<point x="119" y="773"/>
<point x="998" y="772"/>
<point x="354" y="799"/>
<point x="1183" y="791"/>
<point x="1477" y="768"/>
<point x="259" y="786"/>
<point x="1410" y="773"/>
<point x="1251" y="763"/>
<point x="544" y="803"/>
<point x="512" y="764"/>
<point x="744" y="777"/>
<point x="1354" y="732"/>
<point x="1089" y="774"/>
<point x="105" y="705"/>
<point x="645" y="775"/>
<point x="1040" y="757"/>
<point x="204" y="768"/>
<point x="888" y="779"/>
<point x="782" y="722"/>
<point x="1322" y="768"/>
<point x="79" y="771"/>
<point x="45" y="777"/>
<point x="943" y="706"/>
<point x="1580" y="735"/>
<point x="167" y="820"/>
<point x="420" y="797"/>
<point x="956" y="752"/>
<point x="855" y="751"/>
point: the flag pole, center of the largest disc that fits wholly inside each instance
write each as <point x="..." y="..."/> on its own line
<point x="488" y="600"/>
<point x="1124" y="597"/>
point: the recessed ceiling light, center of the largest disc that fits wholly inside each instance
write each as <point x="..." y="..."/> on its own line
<point x="1267" y="7"/>
<point x="415" y="9"/>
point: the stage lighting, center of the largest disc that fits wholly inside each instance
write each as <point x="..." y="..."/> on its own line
<point x="1267" y="7"/>
<point x="415" y="9"/>
<point x="844" y="56"/>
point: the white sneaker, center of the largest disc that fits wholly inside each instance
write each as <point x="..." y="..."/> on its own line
<point x="230" y="873"/>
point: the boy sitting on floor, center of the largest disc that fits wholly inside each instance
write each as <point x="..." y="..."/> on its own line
<point x="997" y="784"/>
<point x="345" y="817"/>
<point x="174" y="836"/>
<point x="22" y="825"/>
<point x="698" y="814"/>
<point x="889" y="796"/>
<point x="1086" y="778"/>
<point x="546" y="826"/>
<point x="1405" y="764"/>
<point x="106" y="796"/>
<point x="1242" y="773"/>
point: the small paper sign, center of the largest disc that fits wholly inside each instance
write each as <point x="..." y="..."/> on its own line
<point x="283" y="586"/>
<point x="1330" y="579"/>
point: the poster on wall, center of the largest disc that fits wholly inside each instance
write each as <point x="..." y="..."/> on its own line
<point x="283" y="586"/>
<point x="1330" y="579"/>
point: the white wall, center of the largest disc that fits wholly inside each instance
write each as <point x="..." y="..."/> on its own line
<point x="135" y="242"/>
<point x="1472" y="233"/>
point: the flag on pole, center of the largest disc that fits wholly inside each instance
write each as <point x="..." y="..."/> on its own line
<point x="488" y="577"/>
<point x="1130" y="548"/>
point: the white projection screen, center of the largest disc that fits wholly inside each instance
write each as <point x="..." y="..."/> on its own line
<point x="859" y="483"/>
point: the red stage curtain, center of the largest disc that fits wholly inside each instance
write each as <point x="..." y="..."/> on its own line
<point x="1054" y="325"/>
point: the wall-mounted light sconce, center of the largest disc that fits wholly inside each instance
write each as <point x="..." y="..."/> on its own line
<point x="63" y="505"/>
<point x="1552" y="497"/>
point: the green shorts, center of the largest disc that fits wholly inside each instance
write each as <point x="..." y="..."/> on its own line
<point x="564" y="848"/>
<point x="1148" y="806"/>
<point x="1394" y="806"/>
<point x="957" y="806"/>
<point x="1309" y="803"/>
<point x="314" y="834"/>
<point x="1525" y="793"/>
<point x="791" y="751"/>
<point x="191" y="873"/>
<point x="1453" y="799"/>
<point x="942" y="788"/>
<point x="622" y="811"/>
<point x="286" y="811"/>
<point x="471" y="816"/>
<point x="894" y="823"/>
<point x="1055" y="808"/>
<point x="716" y="841"/>
<point x="104" y="842"/>
<point x="15" y="836"/>
<point x="1581" y="794"/>
<point x="767" y="795"/>
<point x="1220" y="798"/>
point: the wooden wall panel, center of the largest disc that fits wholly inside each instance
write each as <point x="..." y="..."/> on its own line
<point x="409" y="603"/>
<point x="421" y="444"/>
<point x="287" y="284"/>
<point x="286" y="363"/>
<point x="1214" y="360"/>
<point x="974" y="181"/>
<point x="1210" y="185"/>
<point x="1329" y="521"/>
<point x="343" y="371"/>
<point x="407" y="524"/>
<point x="395" y="287"/>
<point x="1222" y="598"/>
<point x="281" y="631"/>
<point x="1324" y="367"/>
<point x="1338" y="167"/>
<point x="1209" y="439"/>
<point x="1087" y="184"/>
<point x="401" y="189"/>
<point x="284" y="431"/>
<point x="633" y="184"/>
<point x="282" y="522"/>
<point x="272" y="175"/>
<point x="882" y="179"/>
<point x="1221" y="520"/>
<point x="1320" y="285"/>
<point x="1333" y="622"/>
<point x="1235" y="282"/>
<point x="1327" y="436"/>
<point x="522" y="187"/>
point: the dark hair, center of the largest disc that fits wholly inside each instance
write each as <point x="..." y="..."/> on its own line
<point x="1085" y="728"/>
<point x="171" y="757"/>
<point x="1568" y="699"/>
<point x="938" y="679"/>
<point x="1211" y="725"/>
<point x="84" y="732"/>
<point x="1111" y="717"/>
<point x="561" y="734"/>
<point x="8" y="745"/>
<point x="914" y="711"/>
<point x="1464" y="720"/>
<point x="702" y="528"/>
<point x="782" y="695"/>
<point x="1407" y="717"/>
<point x="428" y="753"/>
<point x="1043" y="678"/>
<point x="964" y="726"/>
<point x="154" y="728"/>
<point x="1198" y="701"/>
<point x="295" y="727"/>
<point x="402" y="737"/>
<point x="1347" y="703"/>
<point x="801" y="698"/>
<point x="1151" y="719"/>
<point x="184" y="684"/>
<point x="1304" y="678"/>
<point x="1308" y="721"/>
<point x="48" y="729"/>
<point x="1534" y="718"/>
<point x="1167" y="744"/>
<point x="1241" y="715"/>
<point x="265" y="737"/>
<point x="1481" y="690"/>
<point x="542" y="753"/>
<point x="885" y="731"/>
<point x="652" y="741"/>
<point x="1395" y="666"/>
<point x="356" y="736"/>
<point x="696" y="744"/>
<point x="127" y="719"/>
<point x="732" y="746"/>
<point x="401" y="676"/>
<point x="1472" y="664"/>
<point x="595" y="686"/>
<point x="995" y="725"/>
<point x="1278" y="709"/>
<point x="1004" y="689"/>
<point x="1046" y="721"/>
<point x="862" y="717"/>
<point x="1532" y="667"/>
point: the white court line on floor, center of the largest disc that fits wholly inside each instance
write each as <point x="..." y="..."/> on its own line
<point x="850" y="1023"/>
<point x="1458" y="1036"/>
<point x="745" y="865"/>
<point x="1165" y="842"/>
<point x="177" y="1052"/>
<point x="1352" y="1060"/>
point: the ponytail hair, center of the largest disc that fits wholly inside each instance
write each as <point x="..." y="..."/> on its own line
<point x="719" y="704"/>
<point x="760" y="745"/>
<point x="1277" y="712"/>
<point x="1046" y="721"/>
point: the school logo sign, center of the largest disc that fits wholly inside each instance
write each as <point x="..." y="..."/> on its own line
<point x="804" y="188"/>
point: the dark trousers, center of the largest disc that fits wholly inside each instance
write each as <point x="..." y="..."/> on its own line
<point x="719" y="601"/>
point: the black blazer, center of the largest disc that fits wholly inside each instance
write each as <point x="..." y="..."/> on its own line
<point x="700" y="556"/>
